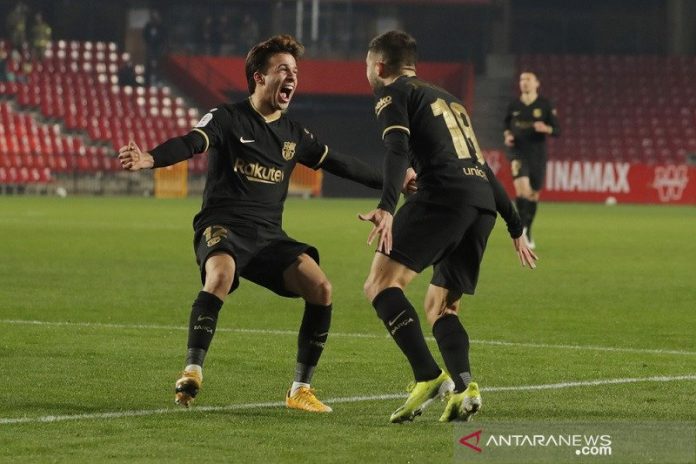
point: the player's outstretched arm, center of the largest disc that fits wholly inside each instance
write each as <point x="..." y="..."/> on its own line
<point x="382" y="226"/>
<point x="503" y="204"/>
<point x="527" y="257"/>
<point x="396" y="177"/>
<point x="134" y="159"/>
<point x="352" y="168"/>
<point x="172" y="151"/>
<point x="512" y="219"/>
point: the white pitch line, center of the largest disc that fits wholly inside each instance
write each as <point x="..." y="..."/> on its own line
<point x="349" y="399"/>
<point x="348" y="335"/>
<point x="592" y="383"/>
<point x="585" y="347"/>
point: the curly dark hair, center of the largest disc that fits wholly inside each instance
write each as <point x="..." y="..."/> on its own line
<point x="258" y="56"/>
<point x="398" y="49"/>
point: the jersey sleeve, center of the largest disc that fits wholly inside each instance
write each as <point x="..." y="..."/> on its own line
<point x="508" y="118"/>
<point x="552" y="120"/>
<point x="311" y="152"/>
<point x="391" y="110"/>
<point x="213" y="126"/>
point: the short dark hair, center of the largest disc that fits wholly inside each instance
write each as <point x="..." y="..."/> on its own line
<point x="398" y="49"/>
<point x="527" y="71"/>
<point x="258" y="56"/>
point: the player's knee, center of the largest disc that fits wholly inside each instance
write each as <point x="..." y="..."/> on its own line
<point x="316" y="291"/>
<point x="370" y="289"/>
<point x="441" y="305"/>
<point x="433" y="316"/>
<point x="322" y="292"/>
<point x="219" y="280"/>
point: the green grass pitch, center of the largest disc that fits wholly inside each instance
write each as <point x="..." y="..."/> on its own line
<point x="109" y="282"/>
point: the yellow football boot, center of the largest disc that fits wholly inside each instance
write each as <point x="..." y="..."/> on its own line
<point x="462" y="406"/>
<point x="304" y="399"/>
<point x="422" y="394"/>
<point x="187" y="387"/>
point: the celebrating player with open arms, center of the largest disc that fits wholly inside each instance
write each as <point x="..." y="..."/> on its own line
<point x="446" y="223"/>
<point x="253" y="147"/>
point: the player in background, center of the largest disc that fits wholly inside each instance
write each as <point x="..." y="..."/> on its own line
<point x="253" y="147"/>
<point x="529" y="119"/>
<point x="446" y="223"/>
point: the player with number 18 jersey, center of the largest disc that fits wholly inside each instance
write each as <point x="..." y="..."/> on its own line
<point x="452" y="174"/>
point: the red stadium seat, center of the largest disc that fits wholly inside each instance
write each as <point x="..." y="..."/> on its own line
<point x="633" y="107"/>
<point x="75" y="83"/>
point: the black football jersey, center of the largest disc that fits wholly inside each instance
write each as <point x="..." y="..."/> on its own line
<point x="520" y="119"/>
<point x="250" y="160"/>
<point x="444" y="151"/>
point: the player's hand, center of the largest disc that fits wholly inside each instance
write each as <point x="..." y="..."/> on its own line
<point x="382" y="221"/>
<point x="509" y="140"/>
<point x="409" y="186"/>
<point x="133" y="159"/>
<point x="527" y="257"/>
<point x="541" y="126"/>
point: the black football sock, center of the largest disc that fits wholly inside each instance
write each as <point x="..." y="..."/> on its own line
<point x="531" y="213"/>
<point x="523" y="210"/>
<point x="401" y="321"/>
<point x="303" y="373"/>
<point x="314" y="331"/>
<point x="202" y="323"/>
<point x="453" y="342"/>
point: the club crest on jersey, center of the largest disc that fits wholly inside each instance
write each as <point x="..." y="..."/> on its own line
<point x="537" y="113"/>
<point x="288" y="150"/>
<point x="382" y="103"/>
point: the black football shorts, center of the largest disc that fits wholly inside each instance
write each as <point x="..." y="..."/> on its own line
<point x="261" y="255"/>
<point x="532" y="166"/>
<point x="453" y="239"/>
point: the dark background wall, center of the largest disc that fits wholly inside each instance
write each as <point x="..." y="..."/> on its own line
<point x="353" y="133"/>
<point x="468" y="31"/>
<point x="605" y="27"/>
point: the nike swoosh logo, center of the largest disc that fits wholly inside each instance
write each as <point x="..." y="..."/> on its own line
<point x="321" y="334"/>
<point x="397" y="317"/>
<point x="243" y="140"/>
<point x="203" y="318"/>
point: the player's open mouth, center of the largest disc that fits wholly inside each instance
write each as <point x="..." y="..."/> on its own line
<point x="286" y="93"/>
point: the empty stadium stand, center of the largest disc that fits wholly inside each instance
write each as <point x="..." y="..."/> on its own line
<point x="630" y="108"/>
<point x="67" y="113"/>
<point x="212" y="79"/>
